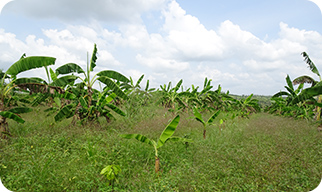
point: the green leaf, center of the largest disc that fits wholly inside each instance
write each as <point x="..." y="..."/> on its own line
<point x="109" y="83"/>
<point x="138" y="137"/>
<point x="147" y="85"/>
<point x="25" y="64"/>
<point x="10" y="115"/>
<point x="198" y="116"/>
<point x="19" y="110"/>
<point x="176" y="88"/>
<point x="83" y="102"/>
<point x="289" y="82"/>
<point x="310" y="63"/>
<point x="57" y="101"/>
<point x="64" y="113"/>
<point x="281" y="93"/>
<point x="114" y="75"/>
<point x="110" y="98"/>
<point x="64" y="81"/>
<point x="116" y="109"/>
<point x="94" y="58"/>
<point x="308" y="93"/>
<point x="139" y="81"/>
<point x="213" y="117"/>
<point x="168" y="131"/>
<point x="29" y="80"/>
<point x="69" y="68"/>
<point x="248" y="98"/>
<point x="53" y="75"/>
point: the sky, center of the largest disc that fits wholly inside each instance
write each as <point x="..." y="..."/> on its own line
<point x="245" y="46"/>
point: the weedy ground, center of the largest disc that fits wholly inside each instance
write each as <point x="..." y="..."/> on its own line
<point x="263" y="153"/>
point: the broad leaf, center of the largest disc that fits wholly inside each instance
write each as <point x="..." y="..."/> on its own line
<point x="176" y="88"/>
<point x="198" y="116"/>
<point x="10" y="115"/>
<point x="29" y="80"/>
<point x="168" y="131"/>
<point x="109" y="83"/>
<point x="83" y="102"/>
<point x="139" y="81"/>
<point x="114" y="75"/>
<point x="25" y="64"/>
<point x="64" y="113"/>
<point x="64" y="81"/>
<point x="248" y="98"/>
<point x="94" y="58"/>
<point x="281" y="93"/>
<point x="69" y="68"/>
<point x="310" y="63"/>
<point x="116" y="109"/>
<point x="304" y="79"/>
<point x="213" y="117"/>
<point x="138" y="137"/>
<point x="19" y="110"/>
<point x="289" y="82"/>
<point x="53" y="75"/>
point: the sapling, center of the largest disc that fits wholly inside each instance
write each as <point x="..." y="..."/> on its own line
<point x="204" y="123"/>
<point x="111" y="172"/>
<point x="165" y="136"/>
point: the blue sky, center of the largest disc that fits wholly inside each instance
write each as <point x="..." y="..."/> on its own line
<point x="246" y="46"/>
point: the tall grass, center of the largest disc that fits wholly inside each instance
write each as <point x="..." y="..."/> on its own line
<point x="262" y="153"/>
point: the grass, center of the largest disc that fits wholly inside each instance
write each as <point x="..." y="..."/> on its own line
<point x="263" y="153"/>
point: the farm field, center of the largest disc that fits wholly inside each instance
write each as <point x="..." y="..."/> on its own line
<point x="262" y="153"/>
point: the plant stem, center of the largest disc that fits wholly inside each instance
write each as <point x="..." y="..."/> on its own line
<point x="157" y="164"/>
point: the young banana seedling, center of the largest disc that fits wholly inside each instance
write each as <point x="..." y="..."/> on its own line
<point x="164" y="137"/>
<point x="204" y="123"/>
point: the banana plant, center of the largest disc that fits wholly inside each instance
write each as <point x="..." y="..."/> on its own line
<point x="9" y="85"/>
<point x="310" y="80"/>
<point x="209" y="122"/>
<point x="165" y="136"/>
<point x="88" y="103"/>
<point x="170" y="96"/>
<point x="292" y="93"/>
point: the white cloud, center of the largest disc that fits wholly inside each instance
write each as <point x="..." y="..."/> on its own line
<point x="84" y="10"/>
<point x="184" y="48"/>
<point x="162" y="65"/>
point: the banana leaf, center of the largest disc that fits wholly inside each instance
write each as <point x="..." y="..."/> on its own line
<point x="114" y="75"/>
<point x="168" y="131"/>
<point x="289" y="82"/>
<point x="64" y="81"/>
<point x="27" y="63"/>
<point x="304" y="79"/>
<point x="53" y="75"/>
<point x="109" y="83"/>
<point x="213" y="117"/>
<point x="29" y="80"/>
<point x="138" y="137"/>
<point x="310" y="63"/>
<point x="176" y="88"/>
<point x="139" y="81"/>
<point x="69" y="68"/>
<point x="116" y="109"/>
<point x="19" y="110"/>
<point x="198" y="116"/>
<point x="64" y="113"/>
<point x="10" y="115"/>
<point x="308" y="93"/>
<point x="94" y="58"/>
